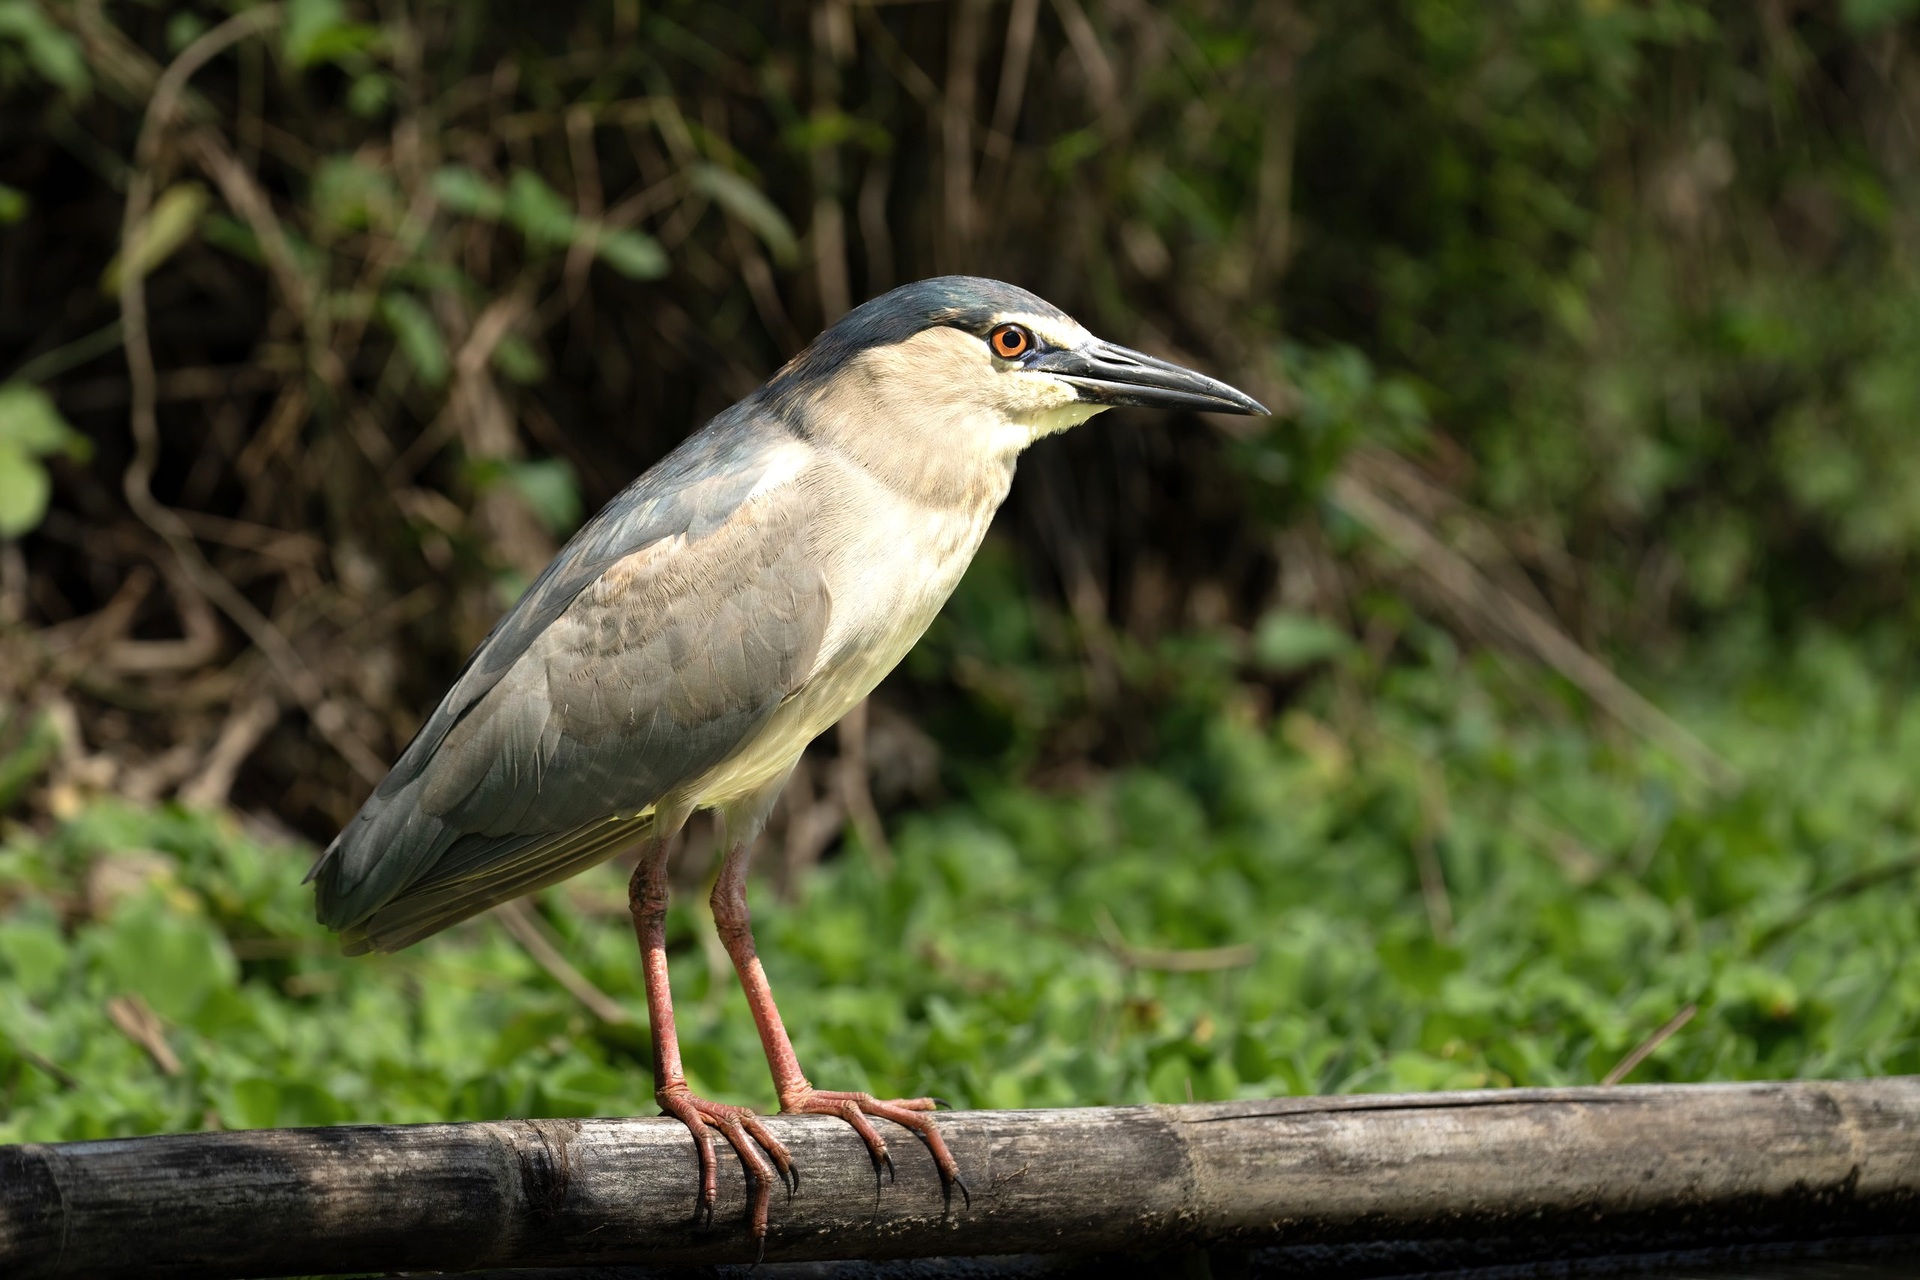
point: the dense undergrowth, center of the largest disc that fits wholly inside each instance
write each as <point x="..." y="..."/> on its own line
<point x="1016" y="952"/>
<point x="1604" y="310"/>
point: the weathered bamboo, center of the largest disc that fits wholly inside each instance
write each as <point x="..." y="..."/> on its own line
<point x="1724" y="1162"/>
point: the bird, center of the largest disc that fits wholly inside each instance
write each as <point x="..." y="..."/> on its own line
<point x="689" y="641"/>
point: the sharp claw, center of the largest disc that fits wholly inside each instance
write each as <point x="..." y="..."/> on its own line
<point x="854" y="1108"/>
<point x="941" y="1104"/>
<point x="761" y="1157"/>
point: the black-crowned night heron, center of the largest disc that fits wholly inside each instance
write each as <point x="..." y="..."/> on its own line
<point x="728" y="606"/>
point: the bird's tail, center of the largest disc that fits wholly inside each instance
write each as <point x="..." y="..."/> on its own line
<point x="387" y="846"/>
<point x="478" y="872"/>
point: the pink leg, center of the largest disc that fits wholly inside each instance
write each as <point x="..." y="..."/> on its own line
<point x="797" y="1095"/>
<point x="647" y="900"/>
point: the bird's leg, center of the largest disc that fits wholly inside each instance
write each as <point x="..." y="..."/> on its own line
<point x="797" y="1094"/>
<point x="647" y="900"/>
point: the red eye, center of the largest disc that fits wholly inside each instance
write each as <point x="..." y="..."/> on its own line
<point x="1010" y="341"/>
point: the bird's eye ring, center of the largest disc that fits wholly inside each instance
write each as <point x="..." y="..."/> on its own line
<point x="1010" y="341"/>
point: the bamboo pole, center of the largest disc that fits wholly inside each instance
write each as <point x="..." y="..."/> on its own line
<point x="1719" y="1162"/>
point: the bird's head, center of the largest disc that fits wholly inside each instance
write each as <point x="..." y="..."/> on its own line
<point x="984" y="365"/>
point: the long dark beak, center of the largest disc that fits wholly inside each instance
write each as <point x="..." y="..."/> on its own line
<point x="1105" y="373"/>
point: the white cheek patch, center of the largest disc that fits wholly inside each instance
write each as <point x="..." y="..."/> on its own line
<point x="1055" y="421"/>
<point x="1039" y="420"/>
<point x="1050" y="421"/>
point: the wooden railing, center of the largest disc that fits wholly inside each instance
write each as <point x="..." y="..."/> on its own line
<point x="1714" y="1163"/>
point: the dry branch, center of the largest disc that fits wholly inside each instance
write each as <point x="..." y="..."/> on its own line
<point x="1462" y="586"/>
<point x="1707" y="1163"/>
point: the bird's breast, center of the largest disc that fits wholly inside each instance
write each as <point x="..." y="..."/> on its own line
<point x="889" y="563"/>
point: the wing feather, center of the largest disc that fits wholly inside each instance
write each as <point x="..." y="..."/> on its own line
<point x="657" y="643"/>
<point x="432" y="906"/>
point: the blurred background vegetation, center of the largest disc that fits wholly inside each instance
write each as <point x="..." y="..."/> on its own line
<point x="1538" y="680"/>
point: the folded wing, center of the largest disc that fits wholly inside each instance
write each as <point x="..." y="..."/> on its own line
<point x="658" y="642"/>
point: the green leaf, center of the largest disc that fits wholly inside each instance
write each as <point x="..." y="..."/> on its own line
<point x="253" y="1103"/>
<point x="31" y="423"/>
<point x="237" y="238"/>
<point x="748" y="203"/>
<point x="464" y="191"/>
<point x="13" y="204"/>
<point x="549" y="486"/>
<point x="53" y="54"/>
<point x="24" y="489"/>
<point x="538" y="211"/>
<point x="28" y="755"/>
<point x="224" y="231"/>
<point x="631" y="253"/>
<point x="419" y="337"/>
<point x="167" y="226"/>
<point x="259" y="1102"/>
<point x="370" y="94"/>
<point x="35" y="955"/>
<point x="1286" y="641"/>
<point x="318" y="31"/>
<point x="349" y="195"/>
<point x="1070" y="148"/>
<point x="169" y="958"/>
<point x="183" y="29"/>
<point x="1870" y="15"/>
<point x="425" y="277"/>
<point x="519" y="362"/>
<point x="30" y="427"/>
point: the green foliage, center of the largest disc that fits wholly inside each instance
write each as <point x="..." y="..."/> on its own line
<point x="1634" y="283"/>
<point x="31" y="428"/>
<point x="1592" y="891"/>
<point x="746" y="202"/>
<point x="47" y="52"/>
<point x="1338" y="401"/>
<point x="551" y="491"/>
<point x="168" y="225"/>
<point x="1646" y="265"/>
<point x="348" y="195"/>
<point x="29" y="742"/>
<point x="1870" y="15"/>
<point x="547" y="221"/>
<point x="464" y="191"/>
<point x="518" y="361"/>
<point x="1286" y="641"/>
<point x="416" y="335"/>
<point x="631" y="253"/>
<point x="537" y="210"/>
<point x="549" y="487"/>
<point x="320" y="31"/>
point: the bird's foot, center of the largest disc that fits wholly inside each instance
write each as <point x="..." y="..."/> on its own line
<point x="909" y="1113"/>
<point x="762" y="1154"/>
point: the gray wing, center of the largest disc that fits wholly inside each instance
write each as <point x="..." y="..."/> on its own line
<point x="659" y="640"/>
